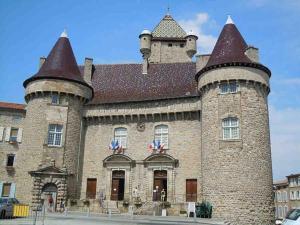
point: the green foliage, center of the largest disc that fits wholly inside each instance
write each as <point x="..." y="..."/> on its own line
<point x="204" y="209"/>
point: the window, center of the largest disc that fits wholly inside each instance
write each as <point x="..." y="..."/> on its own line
<point x="55" y="98"/>
<point x="161" y="134"/>
<point x="278" y="196"/>
<point x="121" y="136"/>
<point x="13" y="134"/>
<point x="181" y="45"/>
<point x="230" y="128"/>
<point x="55" y="135"/>
<point x="6" y="189"/>
<point x="16" y="118"/>
<point x="10" y="160"/>
<point x="292" y="195"/>
<point x="280" y="212"/>
<point x="226" y="88"/>
<point x="170" y="45"/>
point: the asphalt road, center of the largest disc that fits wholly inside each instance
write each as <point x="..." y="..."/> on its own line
<point x="59" y="219"/>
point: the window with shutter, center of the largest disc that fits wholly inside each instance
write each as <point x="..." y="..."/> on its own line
<point x="161" y="133"/>
<point x="1" y="133"/>
<point x="13" y="134"/>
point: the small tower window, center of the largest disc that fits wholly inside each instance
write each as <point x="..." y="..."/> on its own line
<point x="55" y="98"/>
<point x="181" y="45"/>
<point x="170" y="45"/>
<point x="55" y="135"/>
<point x="226" y="88"/>
<point x="230" y="128"/>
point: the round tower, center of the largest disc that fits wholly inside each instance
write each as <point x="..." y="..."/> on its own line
<point x="55" y="97"/>
<point x="236" y="152"/>
<point x="145" y="43"/>
<point x="191" y="43"/>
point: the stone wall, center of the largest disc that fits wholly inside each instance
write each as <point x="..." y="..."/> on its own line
<point x="184" y="145"/>
<point x="161" y="52"/>
<point x="237" y="174"/>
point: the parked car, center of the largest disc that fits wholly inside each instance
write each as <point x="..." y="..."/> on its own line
<point x="293" y="218"/>
<point x="6" y="207"/>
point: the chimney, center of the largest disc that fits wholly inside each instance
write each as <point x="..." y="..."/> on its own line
<point x="252" y="53"/>
<point x="42" y="60"/>
<point x="201" y="61"/>
<point x="88" y="70"/>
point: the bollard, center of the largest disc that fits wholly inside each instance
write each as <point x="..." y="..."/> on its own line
<point x="88" y="212"/>
<point x="109" y="213"/>
<point x="66" y="211"/>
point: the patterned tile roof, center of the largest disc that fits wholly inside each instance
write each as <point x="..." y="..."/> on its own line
<point x="168" y="28"/>
<point x="126" y="83"/>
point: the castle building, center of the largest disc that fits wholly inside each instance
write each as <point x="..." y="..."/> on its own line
<point x="167" y="129"/>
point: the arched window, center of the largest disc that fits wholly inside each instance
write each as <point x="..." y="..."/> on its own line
<point x="230" y="128"/>
<point x="161" y="133"/>
<point x="279" y="196"/>
<point x="120" y="135"/>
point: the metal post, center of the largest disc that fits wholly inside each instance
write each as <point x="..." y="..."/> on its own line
<point x="88" y="212"/>
<point x="43" y="218"/>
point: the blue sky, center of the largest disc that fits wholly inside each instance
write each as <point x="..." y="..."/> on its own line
<point x="108" y="32"/>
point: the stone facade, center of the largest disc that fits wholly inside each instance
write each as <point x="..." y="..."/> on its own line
<point x="287" y="195"/>
<point x="196" y="163"/>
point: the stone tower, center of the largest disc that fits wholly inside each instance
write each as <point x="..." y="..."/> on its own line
<point x="236" y="153"/>
<point x="167" y="43"/>
<point x="55" y="97"/>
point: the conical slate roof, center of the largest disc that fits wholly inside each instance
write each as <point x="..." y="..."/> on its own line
<point x="60" y="64"/>
<point x="230" y="51"/>
<point x="168" y="28"/>
<point x="230" y="47"/>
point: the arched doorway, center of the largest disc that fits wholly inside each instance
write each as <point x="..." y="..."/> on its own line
<point x="160" y="184"/>
<point x="49" y="196"/>
<point x="118" y="185"/>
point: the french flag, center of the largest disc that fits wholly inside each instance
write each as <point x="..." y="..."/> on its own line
<point x="114" y="145"/>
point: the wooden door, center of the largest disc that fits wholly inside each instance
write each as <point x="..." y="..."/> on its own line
<point x="91" y="187"/>
<point x="191" y="190"/>
<point x="114" y="189"/>
<point x="159" y="183"/>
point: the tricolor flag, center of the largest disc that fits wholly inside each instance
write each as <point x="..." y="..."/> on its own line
<point x="114" y="145"/>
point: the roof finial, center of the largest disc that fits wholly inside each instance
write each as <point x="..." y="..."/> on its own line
<point x="168" y="9"/>
<point x="64" y="34"/>
<point x="229" y="20"/>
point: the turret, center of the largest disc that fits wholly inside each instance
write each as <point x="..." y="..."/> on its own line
<point x="55" y="96"/>
<point x="145" y="48"/>
<point x="236" y="152"/>
<point x="191" y="44"/>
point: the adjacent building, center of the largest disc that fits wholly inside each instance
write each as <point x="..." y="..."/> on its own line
<point x="287" y="195"/>
<point x="167" y="129"/>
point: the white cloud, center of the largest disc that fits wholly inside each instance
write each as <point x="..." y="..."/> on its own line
<point x="291" y="81"/>
<point x="206" y="42"/>
<point x="285" y="133"/>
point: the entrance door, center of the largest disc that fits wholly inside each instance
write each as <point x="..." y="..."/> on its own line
<point x="91" y="187"/>
<point x="159" y="184"/>
<point x="118" y="185"/>
<point x="191" y="190"/>
<point x="49" y="193"/>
